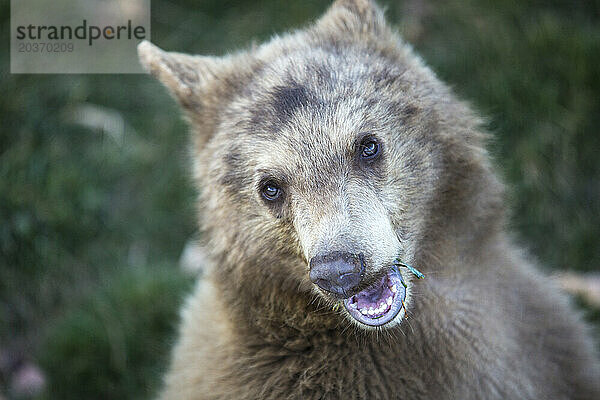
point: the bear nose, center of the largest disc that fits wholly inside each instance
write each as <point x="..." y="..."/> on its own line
<point x="338" y="273"/>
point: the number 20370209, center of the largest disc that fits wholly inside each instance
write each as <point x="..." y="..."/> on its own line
<point x="44" y="47"/>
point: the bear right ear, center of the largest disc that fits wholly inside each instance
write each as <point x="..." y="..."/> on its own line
<point x="201" y="84"/>
<point x="187" y="77"/>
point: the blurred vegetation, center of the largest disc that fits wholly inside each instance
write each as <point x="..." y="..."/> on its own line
<point x="114" y="343"/>
<point x="92" y="221"/>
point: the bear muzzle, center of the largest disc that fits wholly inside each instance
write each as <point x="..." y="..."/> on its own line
<point x="338" y="273"/>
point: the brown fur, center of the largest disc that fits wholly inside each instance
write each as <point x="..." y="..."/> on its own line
<point x="484" y="323"/>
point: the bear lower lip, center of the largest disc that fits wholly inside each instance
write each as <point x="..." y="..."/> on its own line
<point x="379" y="304"/>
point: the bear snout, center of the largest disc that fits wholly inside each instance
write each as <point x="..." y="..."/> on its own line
<point x="338" y="273"/>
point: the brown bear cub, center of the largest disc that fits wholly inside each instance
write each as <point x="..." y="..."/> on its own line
<point x="329" y="160"/>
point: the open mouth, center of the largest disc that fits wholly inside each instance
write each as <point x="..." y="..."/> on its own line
<point x="380" y="303"/>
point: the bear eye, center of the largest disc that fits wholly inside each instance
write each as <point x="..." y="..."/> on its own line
<point x="370" y="148"/>
<point x="270" y="191"/>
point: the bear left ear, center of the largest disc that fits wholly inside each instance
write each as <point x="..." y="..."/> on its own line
<point x="357" y="18"/>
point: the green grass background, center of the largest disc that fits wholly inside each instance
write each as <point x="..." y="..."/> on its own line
<point x="91" y="228"/>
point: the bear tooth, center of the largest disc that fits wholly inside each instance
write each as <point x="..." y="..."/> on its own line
<point x="389" y="301"/>
<point x="394" y="288"/>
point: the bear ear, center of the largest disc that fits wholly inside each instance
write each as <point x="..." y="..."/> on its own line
<point x="201" y="84"/>
<point x="358" y="18"/>
<point x="187" y="77"/>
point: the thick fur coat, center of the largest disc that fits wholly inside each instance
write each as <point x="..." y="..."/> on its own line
<point x="284" y="158"/>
